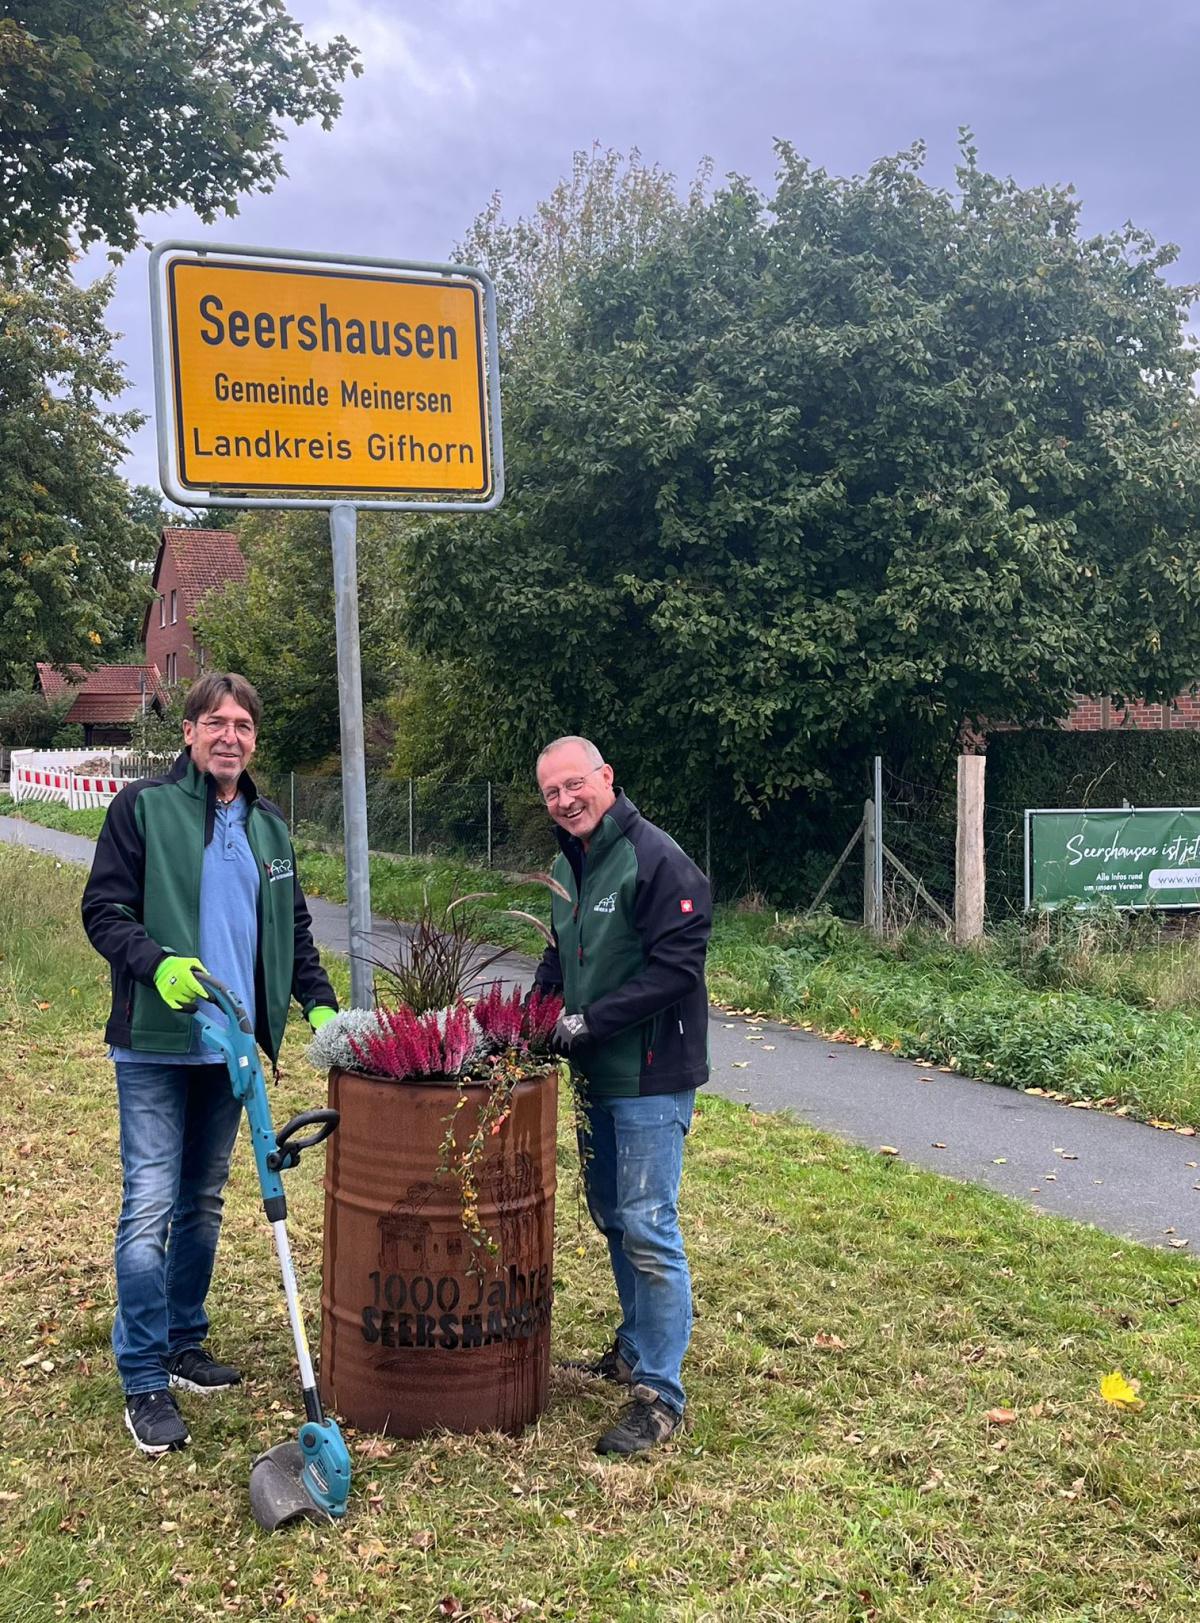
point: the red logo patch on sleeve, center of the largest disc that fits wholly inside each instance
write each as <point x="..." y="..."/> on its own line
<point x="686" y="905"/>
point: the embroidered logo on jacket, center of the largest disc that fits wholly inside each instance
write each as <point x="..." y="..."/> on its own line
<point x="607" y="904"/>
<point x="686" y="905"/>
<point x="281" y="868"/>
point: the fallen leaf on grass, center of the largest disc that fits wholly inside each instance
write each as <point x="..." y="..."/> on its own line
<point x="1123" y="1394"/>
<point x="888" y="1149"/>
<point x="451" y="1606"/>
<point x="1000" y="1417"/>
<point x="823" y="1341"/>
<point x="375" y="1448"/>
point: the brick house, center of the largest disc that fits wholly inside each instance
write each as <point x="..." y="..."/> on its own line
<point x="189" y="564"/>
<point x="107" y="701"/>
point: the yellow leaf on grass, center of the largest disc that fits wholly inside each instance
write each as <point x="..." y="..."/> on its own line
<point x="1115" y="1389"/>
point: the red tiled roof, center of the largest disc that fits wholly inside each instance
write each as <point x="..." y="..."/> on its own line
<point x="205" y="559"/>
<point x="110" y="693"/>
<point x="52" y="682"/>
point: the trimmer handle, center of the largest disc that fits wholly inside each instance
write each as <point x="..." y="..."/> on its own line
<point x="288" y="1147"/>
<point x="226" y="1000"/>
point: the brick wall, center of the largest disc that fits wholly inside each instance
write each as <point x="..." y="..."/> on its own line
<point x="1094" y="715"/>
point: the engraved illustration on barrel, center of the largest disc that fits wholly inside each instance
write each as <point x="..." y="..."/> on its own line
<point x="418" y="1331"/>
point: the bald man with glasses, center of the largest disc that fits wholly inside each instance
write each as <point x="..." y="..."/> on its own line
<point x="630" y="938"/>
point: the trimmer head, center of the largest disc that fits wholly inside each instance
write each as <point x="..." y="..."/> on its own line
<point x="278" y="1495"/>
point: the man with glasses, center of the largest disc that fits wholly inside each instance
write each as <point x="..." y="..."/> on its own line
<point x="193" y="871"/>
<point x="630" y="937"/>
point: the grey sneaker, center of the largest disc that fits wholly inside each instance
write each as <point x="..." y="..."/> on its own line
<point x="610" y="1366"/>
<point x="647" y="1422"/>
<point x="154" y="1422"/>
<point x="195" y="1370"/>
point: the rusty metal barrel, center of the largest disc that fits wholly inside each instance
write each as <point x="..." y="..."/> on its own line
<point x="421" y="1329"/>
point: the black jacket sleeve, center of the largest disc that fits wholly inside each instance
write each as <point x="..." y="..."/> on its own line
<point x="113" y="895"/>
<point x="548" y="975"/>
<point x="310" y="983"/>
<point x="672" y="914"/>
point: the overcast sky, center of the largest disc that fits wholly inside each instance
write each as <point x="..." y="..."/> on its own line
<point x="460" y="98"/>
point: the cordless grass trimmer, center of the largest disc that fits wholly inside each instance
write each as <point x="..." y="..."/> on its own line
<point x="308" y="1479"/>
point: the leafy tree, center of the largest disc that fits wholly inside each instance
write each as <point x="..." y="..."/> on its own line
<point x="68" y="544"/>
<point x="277" y="628"/>
<point x="612" y="209"/>
<point x="31" y="721"/>
<point x="114" y="108"/>
<point x="852" y="467"/>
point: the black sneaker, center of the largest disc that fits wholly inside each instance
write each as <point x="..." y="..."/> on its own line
<point x="647" y="1422"/>
<point x="194" y="1370"/>
<point x="610" y="1366"/>
<point x="155" y="1423"/>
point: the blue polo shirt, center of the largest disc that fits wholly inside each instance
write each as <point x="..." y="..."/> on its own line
<point x="229" y="882"/>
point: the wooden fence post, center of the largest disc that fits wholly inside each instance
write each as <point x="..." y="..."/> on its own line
<point x="969" y="867"/>
<point x="872" y="901"/>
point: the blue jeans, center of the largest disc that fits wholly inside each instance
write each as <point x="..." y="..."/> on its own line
<point x="632" y="1158"/>
<point x="178" y="1126"/>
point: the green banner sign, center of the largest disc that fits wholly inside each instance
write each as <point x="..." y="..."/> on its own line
<point x="1116" y="858"/>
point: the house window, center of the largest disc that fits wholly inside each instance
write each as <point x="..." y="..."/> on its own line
<point x="172" y="667"/>
<point x="162" y="611"/>
<point x="174" y="607"/>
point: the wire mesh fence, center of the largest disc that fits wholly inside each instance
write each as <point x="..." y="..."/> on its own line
<point x="478" y="821"/>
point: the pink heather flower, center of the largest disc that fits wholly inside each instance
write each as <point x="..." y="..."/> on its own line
<point x="541" y="1014"/>
<point x="500" y="1018"/>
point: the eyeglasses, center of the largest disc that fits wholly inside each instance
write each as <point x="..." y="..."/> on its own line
<point x="215" y="725"/>
<point x="571" y="787"/>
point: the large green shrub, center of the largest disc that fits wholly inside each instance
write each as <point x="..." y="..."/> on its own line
<point x="31" y="721"/>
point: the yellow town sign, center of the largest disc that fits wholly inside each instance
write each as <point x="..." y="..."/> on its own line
<point x="307" y="378"/>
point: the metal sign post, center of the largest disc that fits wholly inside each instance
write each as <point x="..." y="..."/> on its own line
<point x="343" y="532"/>
<point x="284" y="378"/>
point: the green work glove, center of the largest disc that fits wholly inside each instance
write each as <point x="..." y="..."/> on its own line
<point x="177" y="984"/>
<point x="320" y="1016"/>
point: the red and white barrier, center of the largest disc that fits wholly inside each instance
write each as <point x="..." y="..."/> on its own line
<point x="77" y="778"/>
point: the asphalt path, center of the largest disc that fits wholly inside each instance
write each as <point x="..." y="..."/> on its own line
<point x="1139" y="1182"/>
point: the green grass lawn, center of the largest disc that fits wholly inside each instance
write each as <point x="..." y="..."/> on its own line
<point x="856" y="1321"/>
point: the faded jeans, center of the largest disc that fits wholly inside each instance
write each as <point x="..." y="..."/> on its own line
<point x="632" y="1157"/>
<point x="178" y="1126"/>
